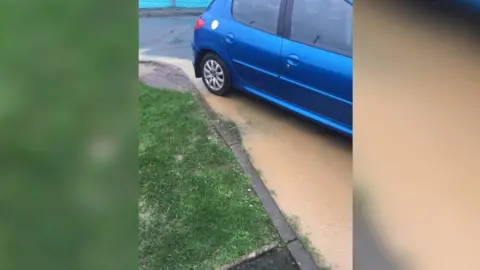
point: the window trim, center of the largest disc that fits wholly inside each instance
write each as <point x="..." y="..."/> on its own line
<point x="281" y="18"/>
<point x="288" y="32"/>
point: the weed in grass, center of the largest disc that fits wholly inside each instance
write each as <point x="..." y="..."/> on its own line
<point x="232" y="127"/>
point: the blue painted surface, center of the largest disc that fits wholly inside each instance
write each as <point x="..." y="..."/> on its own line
<point x="178" y="3"/>
<point x="154" y="3"/>
<point x="192" y="3"/>
<point x="316" y="83"/>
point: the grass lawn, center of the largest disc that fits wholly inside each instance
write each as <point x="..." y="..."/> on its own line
<point x="197" y="209"/>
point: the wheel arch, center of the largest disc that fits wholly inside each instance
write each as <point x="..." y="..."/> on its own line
<point x="199" y="58"/>
<point x="198" y="61"/>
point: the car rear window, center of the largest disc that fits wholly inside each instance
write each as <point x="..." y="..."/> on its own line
<point x="259" y="14"/>
<point x="325" y="24"/>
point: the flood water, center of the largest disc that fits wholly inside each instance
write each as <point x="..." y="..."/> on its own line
<point x="308" y="170"/>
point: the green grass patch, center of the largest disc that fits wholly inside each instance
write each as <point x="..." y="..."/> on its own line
<point x="197" y="209"/>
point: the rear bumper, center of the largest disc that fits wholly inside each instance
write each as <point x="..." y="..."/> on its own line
<point x="194" y="50"/>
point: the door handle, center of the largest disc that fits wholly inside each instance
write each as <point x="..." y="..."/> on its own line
<point x="230" y="38"/>
<point x="293" y="60"/>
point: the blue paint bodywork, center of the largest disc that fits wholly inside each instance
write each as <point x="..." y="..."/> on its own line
<point x="317" y="85"/>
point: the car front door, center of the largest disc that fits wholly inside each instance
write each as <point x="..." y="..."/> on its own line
<point x="252" y="44"/>
<point x="316" y="66"/>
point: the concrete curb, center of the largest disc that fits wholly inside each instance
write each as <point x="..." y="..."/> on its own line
<point x="169" y="12"/>
<point x="288" y="236"/>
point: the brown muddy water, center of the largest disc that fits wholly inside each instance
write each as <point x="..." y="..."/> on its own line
<point x="307" y="169"/>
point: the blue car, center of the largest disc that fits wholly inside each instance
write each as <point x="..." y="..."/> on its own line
<point x="294" y="53"/>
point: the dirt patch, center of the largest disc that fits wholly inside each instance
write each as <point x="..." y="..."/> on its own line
<point x="277" y="259"/>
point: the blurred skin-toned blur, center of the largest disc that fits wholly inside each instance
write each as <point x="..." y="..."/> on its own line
<point x="417" y="124"/>
<point x="68" y="147"/>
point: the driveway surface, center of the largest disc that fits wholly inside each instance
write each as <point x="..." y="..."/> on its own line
<point x="307" y="168"/>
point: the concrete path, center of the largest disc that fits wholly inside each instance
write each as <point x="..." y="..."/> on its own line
<point x="307" y="168"/>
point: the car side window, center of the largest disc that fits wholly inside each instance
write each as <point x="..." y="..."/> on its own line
<point x="325" y="24"/>
<point x="259" y="14"/>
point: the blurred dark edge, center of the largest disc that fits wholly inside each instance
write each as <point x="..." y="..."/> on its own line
<point x="369" y="252"/>
<point x="441" y="16"/>
<point x="463" y="13"/>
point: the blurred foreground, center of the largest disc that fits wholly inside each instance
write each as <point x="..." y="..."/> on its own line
<point x="417" y="122"/>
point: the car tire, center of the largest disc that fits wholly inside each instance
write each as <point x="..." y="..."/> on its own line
<point x="215" y="75"/>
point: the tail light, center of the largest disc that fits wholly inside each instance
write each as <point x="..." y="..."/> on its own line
<point x="199" y="23"/>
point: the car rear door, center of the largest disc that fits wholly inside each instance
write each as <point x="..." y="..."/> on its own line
<point x="316" y="66"/>
<point x="252" y="43"/>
